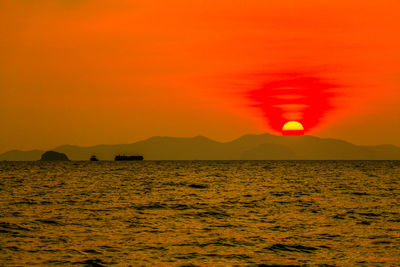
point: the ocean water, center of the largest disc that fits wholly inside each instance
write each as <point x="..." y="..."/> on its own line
<point x="200" y="213"/>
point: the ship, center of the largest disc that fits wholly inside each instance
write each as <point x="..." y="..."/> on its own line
<point x="127" y="158"/>
<point x="93" y="158"/>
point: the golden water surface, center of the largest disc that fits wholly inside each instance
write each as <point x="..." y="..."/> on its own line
<point x="200" y="213"/>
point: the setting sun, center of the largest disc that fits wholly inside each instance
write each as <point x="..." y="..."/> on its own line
<point x="293" y="128"/>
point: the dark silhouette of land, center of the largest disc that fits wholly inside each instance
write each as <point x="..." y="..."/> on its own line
<point x="53" y="156"/>
<point x="247" y="147"/>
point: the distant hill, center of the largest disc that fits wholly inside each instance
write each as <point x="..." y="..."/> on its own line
<point x="247" y="147"/>
<point x="18" y="155"/>
<point x="53" y="156"/>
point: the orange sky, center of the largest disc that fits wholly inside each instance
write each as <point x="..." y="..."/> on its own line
<point x="87" y="72"/>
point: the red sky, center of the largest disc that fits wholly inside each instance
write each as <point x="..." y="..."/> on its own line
<point x="87" y="72"/>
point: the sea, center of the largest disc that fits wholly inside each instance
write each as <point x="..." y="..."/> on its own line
<point x="200" y="213"/>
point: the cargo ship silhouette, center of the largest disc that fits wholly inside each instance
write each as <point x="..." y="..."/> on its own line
<point x="127" y="158"/>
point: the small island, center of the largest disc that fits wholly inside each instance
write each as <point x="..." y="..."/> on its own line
<point x="54" y="156"/>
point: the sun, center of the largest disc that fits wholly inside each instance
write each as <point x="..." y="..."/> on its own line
<point x="293" y="128"/>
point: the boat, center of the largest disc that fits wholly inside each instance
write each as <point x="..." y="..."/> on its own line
<point x="128" y="158"/>
<point x="93" y="158"/>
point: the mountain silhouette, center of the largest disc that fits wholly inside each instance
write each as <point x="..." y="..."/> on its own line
<point x="247" y="147"/>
